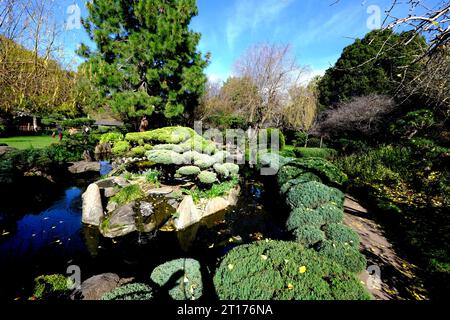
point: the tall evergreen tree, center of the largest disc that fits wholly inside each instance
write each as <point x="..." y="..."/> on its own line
<point x="146" y="62"/>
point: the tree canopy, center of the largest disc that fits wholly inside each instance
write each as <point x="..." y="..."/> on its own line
<point x="146" y="62"/>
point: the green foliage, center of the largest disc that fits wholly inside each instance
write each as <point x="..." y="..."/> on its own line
<point x="325" y="153"/>
<point x="127" y="194"/>
<point x="331" y="213"/>
<point x="155" y="67"/>
<point x="152" y="176"/>
<point x="166" y="157"/>
<point x="357" y="73"/>
<point x="111" y="137"/>
<point x="339" y="233"/>
<point x="77" y="123"/>
<point x="52" y="286"/>
<point x="308" y="235"/>
<point x="273" y="271"/>
<point x="189" y="171"/>
<point x="201" y="160"/>
<point x="172" y="147"/>
<point x="207" y="177"/>
<point x="216" y="190"/>
<point x="227" y="121"/>
<point x="344" y="254"/>
<point x="300" y="139"/>
<point x="226" y="169"/>
<point x="302" y="178"/>
<point x="120" y="148"/>
<point x="267" y="135"/>
<point x="187" y="285"/>
<point x="414" y="122"/>
<point x="138" y="151"/>
<point x="167" y="135"/>
<point x="314" y="142"/>
<point x="327" y="171"/>
<point x="287" y="173"/>
<point x="302" y="216"/>
<point x="130" y="291"/>
<point x="313" y="194"/>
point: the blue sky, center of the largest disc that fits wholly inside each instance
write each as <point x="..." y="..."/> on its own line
<point x="316" y="29"/>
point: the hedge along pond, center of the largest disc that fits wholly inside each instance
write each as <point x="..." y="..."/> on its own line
<point x="288" y="246"/>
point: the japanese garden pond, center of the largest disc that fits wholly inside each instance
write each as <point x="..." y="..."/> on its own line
<point x="49" y="237"/>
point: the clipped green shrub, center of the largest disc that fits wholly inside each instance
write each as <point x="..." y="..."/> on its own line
<point x="199" y="144"/>
<point x="52" y="286"/>
<point x="304" y="216"/>
<point x="168" y="135"/>
<point x="77" y="122"/>
<point x="323" y="168"/>
<point x="138" y="151"/>
<point x="111" y="137"/>
<point x="325" y="153"/>
<point x="207" y="177"/>
<point x="302" y="178"/>
<point x="130" y="291"/>
<point x="340" y="233"/>
<point x="187" y="285"/>
<point x="344" y="254"/>
<point x="331" y="213"/>
<point x="226" y="169"/>
<point x="127" y="194"/>
<point x="313" y="194"/>
<point x="277" y="270"/>
<point x="287" y="173"/>
<point x="120" y="148"/>
<point x="189" y="171"/>
<point x="308" y="235"/>
<point x="201" y="160"/>
<point x="164" y="157"/>
<point x="172" y="147"/>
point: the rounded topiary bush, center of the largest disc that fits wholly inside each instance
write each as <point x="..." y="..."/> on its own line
<point x="331" y="213"/>
<point x="313" y="194"/>
<point x="207" y="177"/>
<point x="277" y="270"/>
<point x="172" y="147"/>
<point x="344" y="254"/>
<point x="323" y="168"/>
<point x="131" y="291"/>
<point x="287" y="173"/>
<point x="308" y="235"/>
<point x="187" y="284"/>
<point x="304" y="216"/>
<point x="226" y="169"/>
<point x="302" y="178"/>
<point x="138" y="151"/>
<point x="111" y="137"/>
<point x="189" y="171"/>
<point x="341" y="233"/>
<point x="120" y="148"/>
<point x="164" y="157"/>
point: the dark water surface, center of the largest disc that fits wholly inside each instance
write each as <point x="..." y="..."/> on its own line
<point x="46" y="236"/>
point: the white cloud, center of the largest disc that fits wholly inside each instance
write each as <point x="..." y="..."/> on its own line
<point x="306" y="77"/>
<point x="250" y="14"/>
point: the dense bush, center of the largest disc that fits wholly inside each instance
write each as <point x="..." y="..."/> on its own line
<point x="207" y="177"/>
<point x="168" y="135"/>
<point x="54" y="286"/>
<point x="226" y="169"/>
<point x="120" y="148"/>
<point x="189" y="171"/>
<point x="127" y="194"/>
<point x="300" y="138"/>
<point x="172" y="147"/>
<point x="344" y="254"/>
<point x="111" y="137"/>
<point x="181" y="278"/>
<point x="308" y="235"/>
<point x="315" y="143"/>
<point x="164" y="157"/>
<point x="302" y="216"/>
<point x="138" y="151"/>
<point x="277" y="270"/>
<point x="323" y="168"/>
<point x="287" y="173"/>
<point x="313" y="194"/>
<point x="77" y="123"/>
<point x="331" y="213"/>
<point x="131" y="291"/>
<point x="302" y="178"/>
<point x="325" y="153"/>
<point x="340" y="233"/>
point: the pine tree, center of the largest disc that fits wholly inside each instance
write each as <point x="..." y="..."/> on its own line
<point x="146" y="62"/>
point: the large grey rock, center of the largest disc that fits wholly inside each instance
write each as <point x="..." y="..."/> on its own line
<point x="161" y="191"/>
<point x="112" y="182"/>
<point x="103" y="148"/>
<point x="5" y="149"/>
<point x="120" y="222"/>
<point x="95" y="287"/>
<point x="188" y="214"/>
<point x="92" y="206"/>
<point x="84" y="166"/>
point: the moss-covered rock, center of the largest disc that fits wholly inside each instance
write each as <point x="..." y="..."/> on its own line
<point x="189" y="171"/>
<point x="187" y="284"/>
<point x="127" y="194"/>
<point x="131" y="291"/>
<point x="277" y="270"/>
<point x="207" y="177"/>
<point x="164" y="157"/>
<point x="53" y="286"/>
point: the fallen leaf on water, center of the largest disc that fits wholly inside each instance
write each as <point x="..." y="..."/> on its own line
<point x="5" y="233"/>
<point x="211" y="246"/>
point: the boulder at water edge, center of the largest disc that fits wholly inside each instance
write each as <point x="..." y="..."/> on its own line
<point x="120" y="222"/>
<point x="92" y="206"/>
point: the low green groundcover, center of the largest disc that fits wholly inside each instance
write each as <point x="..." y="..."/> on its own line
<point x="277" y="270"/>
<point x="131" y="291"/>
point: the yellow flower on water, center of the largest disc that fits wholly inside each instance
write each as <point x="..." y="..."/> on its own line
<point x="290" y="286"/>
<point x="230" y="267"/>
<point x="302" y="269"/>
<point x="264" y="257"/>
<point x="211" y="246"/>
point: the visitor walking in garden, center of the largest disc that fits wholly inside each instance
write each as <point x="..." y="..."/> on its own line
<point x="60" y="133"/>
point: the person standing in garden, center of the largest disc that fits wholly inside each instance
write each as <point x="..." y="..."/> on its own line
<point x="60" y="133"/>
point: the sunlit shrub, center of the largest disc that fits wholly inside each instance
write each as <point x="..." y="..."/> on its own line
<point x="331" y="213"/>
<point x="164" y="157"/>
<point x="127" y="194"/>
<point x="120" y="148"/>
<point x="138" y="151"/>
<point x="226" y="169"/>
<point x="313" y="194"/>
<point x="304" y="216"/>
<point x="344" y="254"/>
<point x="308" y="235"/>
<point x="325" y="153"/>
<point x="340" y="233"/>
<point x="189" y="171"/>
<point x="111" y="137"/>
<point x="277" y="270"/>
<point x="51" y="286"/>
<point x="323" y="168"/>
<point x="302" y="178"/>
<point x="207" y="177"/>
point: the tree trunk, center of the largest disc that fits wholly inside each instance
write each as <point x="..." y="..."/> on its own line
<point x="35" y="126"/>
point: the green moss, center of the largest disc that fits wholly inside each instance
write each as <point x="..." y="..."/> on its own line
<point x="308" y="235"/>
<point x="314" y="194"/>
<point x="207" y="177"/>
<point x="131" y="291"/>
<point x="52" y="286"/>
<point x="164" y="157"/>
<point x="339" y="233"/>
<point x="120" y="148"/>
<point x="127" y="194"/>
<point x="344" y="254"/>
<point x="273" y="271"/>
<point x="189" y="171"/>
<point x="187" y="285"/>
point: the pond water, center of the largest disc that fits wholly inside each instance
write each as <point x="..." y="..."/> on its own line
<point x="36" y="240"/>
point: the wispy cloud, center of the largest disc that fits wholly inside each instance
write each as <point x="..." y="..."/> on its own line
<point x="250" y="14"/>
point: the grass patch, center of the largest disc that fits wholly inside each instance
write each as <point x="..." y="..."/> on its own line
<point x="27" y="142"/>
<point x="216" y="190"/>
